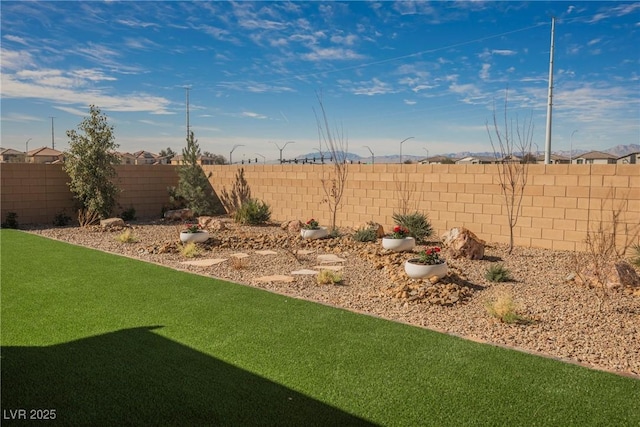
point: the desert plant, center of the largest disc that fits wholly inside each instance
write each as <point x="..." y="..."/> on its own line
<point x="329" y="277"/>
<point x="190" y="250"/>
<point x="505" y="309"/>
<point x="334" y="179"/>
<point x="635" y="254"/>
<point x="497" y="273"/>
<point x="417" y="223"/>
<point x="239" y="263"/>
<point x="86" y="217"/>
<point x="240" y="193"/>
<point x="127" y="237"/>
<point x="11" y="220"/>
<point x="128" y="214"/>
<point x="193" y="185"/>
<point x="512" y="172"/>
<point x="90" y="161"/>
<point x="61" y="219"/>
<point x="253" y="212"/>
<point x="365" y="235"/>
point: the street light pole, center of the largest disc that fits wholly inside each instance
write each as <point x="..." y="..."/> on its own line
<point x="571" y="146"/>
<point x="371" y="151"/>
<point x="234" y="147"/>
<point x="279" y="148"/>
<point x="27" y="145"/>
<point x="427" y="150"/>
<point x="401" y="147"/>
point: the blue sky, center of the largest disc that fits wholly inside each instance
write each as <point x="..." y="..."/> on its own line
<point x="386" y="70"/>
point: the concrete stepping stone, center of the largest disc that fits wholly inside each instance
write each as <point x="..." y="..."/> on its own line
<point x="305" y="272"/>
<point x="205" y="262"/>
<point x="276" y="278"/>
<point x="304" y="251"/>
<point x="329" y="258"/>
<point x="329" y="267"/>
<point x="240" y="255"/>
<point x="267" y="253"/>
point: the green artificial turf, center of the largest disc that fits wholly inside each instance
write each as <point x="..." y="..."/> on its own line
<point x="107" y="340"/>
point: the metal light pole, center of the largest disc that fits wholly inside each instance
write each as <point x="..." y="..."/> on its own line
<point x="372" y="156"/>
<point x="401" y="147"/>
<point x="571" y="146"/>
<point x="264" y="159"/>
<point x="282" y="148"/>
<point x="427" y="150"/>
<point x="234" y="147"/>
<point x="27" y="145"/>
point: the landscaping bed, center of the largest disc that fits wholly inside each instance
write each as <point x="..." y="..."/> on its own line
<point x="561" y="318"/>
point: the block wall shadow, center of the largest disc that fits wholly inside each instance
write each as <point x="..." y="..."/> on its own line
<point x="137" y="377"/>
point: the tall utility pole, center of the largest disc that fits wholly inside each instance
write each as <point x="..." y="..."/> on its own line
<point x="547" y="145"/>
<point x="187" y="89"/>
<point x="53" y="141"/>
<point x="401" y="147"/>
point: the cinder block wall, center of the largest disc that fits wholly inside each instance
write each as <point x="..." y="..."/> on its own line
<point x="38" y="192"/>
<point x="559" y="204"/>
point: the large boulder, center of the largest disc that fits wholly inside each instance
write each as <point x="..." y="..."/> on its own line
<point x="378" y="228"/>
<point x="211" y="223"/>
<point x="178" y="215"/>
<point x="112" y="223"/>
<point x="293" y="225"/>
<point x="463" y="243"/>
<point x="609" y="274"/>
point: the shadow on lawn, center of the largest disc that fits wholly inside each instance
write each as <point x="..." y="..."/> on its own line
<point x="137" y="377"/>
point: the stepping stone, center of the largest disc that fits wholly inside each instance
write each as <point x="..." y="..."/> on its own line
<point x="205" y="262"/>
<point x="305" y="272"/>
<point x="276" y="278"/>
<point x="267" y="253"/>
<point x="304" y="252"/>
<point x="328" y="258"/>
<point x="240" y="255"/>
<point x="329" y="267"/>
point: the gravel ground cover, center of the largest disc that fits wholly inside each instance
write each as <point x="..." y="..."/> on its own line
<point x="565" y="319"/>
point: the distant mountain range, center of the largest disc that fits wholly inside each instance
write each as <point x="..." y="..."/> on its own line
<point x="618" y="150"/>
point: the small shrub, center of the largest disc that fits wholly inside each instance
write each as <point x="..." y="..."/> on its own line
<point x="635" y="255"/>
<point x="239" y="263"/>
<point x="253" y="212"/>
<point x="11" y="221"/>
<point x="417" y="223"/>
<point x="128" y="214"/>
<point x="505" y="309"/>
<point x="497" y="273"/>
<point x="329" y="277"/>
<point x="61" y="219"/>
<point x="365" y="235"/>
<point x="334" y="233"/>
<point x="190" y="250"/>
<point x="127" y="237"/>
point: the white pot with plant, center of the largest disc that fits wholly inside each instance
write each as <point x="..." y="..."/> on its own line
<point x="194" y="233"/>
<point x="312" y="230"/>
<point x="428" y="264"/>
<point x="398" y="240"/>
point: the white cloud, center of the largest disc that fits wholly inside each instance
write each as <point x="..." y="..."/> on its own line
<point x="410" y="102"/>
<point x="16" y="60"/>
<point x="16" y="39"/>
<point x="331" y="54"/>
<point x="375" y="87"/>
<point x="253" y="115"/>
<point x="484" y="72"/>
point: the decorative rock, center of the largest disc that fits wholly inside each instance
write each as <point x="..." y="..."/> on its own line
<point x="178" y="214"/>
<point x="378" y="228"/>
<point x="111" y="223"/>
<point x="614" y="275"/>
<point x="463" y="243"/>
<point x="294" y="226"/>
<point x="627" y="275"/>
<point x="211" y="223"/>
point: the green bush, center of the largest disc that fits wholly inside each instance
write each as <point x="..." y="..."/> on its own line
<point x="61" y="219"/>
<point x="11" y="221"/>
<point x="417" y="223"/>
<point x="253" y="212"/>
<point x="365" y="235"/>
<point x="128" y="214"/>
<point x="497" y="273"/>
<point x="635" y="255"/>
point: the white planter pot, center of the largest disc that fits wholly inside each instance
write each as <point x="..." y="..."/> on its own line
<point x="419" y="271"/>
<point x="398" y="245"/>
<point x="197" y="237"/>
<point x="318" y="233"/>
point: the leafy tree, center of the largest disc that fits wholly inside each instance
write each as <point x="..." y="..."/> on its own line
<point x="167" y="153"/>
<point x="218" y="159"/>
<point x="193" y="184"/>
<point x="89" y="163"/>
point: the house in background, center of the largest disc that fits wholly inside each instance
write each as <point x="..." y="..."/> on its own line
<point x="437" y="160"/>
<point x="631" y="158"/>
<point x="44" y="155"/>
<point x="145" y="158"/>
<point x="595" y="158"/>
<point x="555" y="159"/>
<point x="202" y="160"/>
<point x="126" y="158"/>
<point x="476" y="160"/>
<point x="9" y="155"/>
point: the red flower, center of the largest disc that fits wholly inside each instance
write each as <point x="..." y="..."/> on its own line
<point x="397" y="229"/>
<point x="437" y="249"/>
